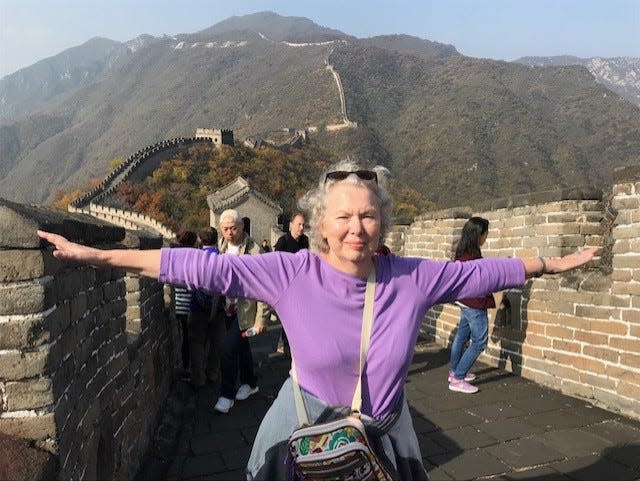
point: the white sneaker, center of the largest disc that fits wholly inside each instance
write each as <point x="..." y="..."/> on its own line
<point x="245" y="391"/>
<point x="223" y="405"/>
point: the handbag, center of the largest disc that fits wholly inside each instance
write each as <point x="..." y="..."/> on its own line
<point x="337" y="450"/>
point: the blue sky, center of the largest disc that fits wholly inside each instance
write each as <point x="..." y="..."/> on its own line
<point x="499" y="29"/>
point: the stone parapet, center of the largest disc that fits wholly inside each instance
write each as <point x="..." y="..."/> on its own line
<point x="576" y="332"/>
<point x="73" y="384"/>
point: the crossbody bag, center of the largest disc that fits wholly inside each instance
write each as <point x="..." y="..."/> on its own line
<point x="337" y="450"/>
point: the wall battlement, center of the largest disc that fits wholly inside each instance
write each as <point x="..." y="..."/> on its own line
<point x="576" y="332"/>
<point x="87" y="356"/>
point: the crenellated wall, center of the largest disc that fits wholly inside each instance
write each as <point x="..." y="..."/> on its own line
<point x="87" y="356"/>
<point x="577" y="332"/>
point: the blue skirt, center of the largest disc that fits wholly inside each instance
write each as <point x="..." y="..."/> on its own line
<point x="392" y="437"/>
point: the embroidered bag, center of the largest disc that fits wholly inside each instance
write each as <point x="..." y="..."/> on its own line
<point x="336" y="450"/>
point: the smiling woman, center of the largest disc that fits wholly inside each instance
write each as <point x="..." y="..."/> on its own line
<point x="320" y="297"/>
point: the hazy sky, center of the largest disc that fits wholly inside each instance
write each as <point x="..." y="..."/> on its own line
<point x="499" y="29"/>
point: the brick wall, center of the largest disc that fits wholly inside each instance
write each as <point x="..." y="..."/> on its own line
<point x="576" y="332"/>
<point x="86" y="356"/>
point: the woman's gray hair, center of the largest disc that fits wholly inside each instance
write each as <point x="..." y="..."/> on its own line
<point x="314" y="201"/>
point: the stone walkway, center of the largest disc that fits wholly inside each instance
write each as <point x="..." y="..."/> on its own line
<point x="512" y="429"/>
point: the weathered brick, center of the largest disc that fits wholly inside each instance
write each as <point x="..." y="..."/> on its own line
<point x="21" y="365"/>
<point x="628" y="288"/>
<point x="133" y="313"/>
<point x="25" y="332"/>
<point x="631" y="360"/>
<point x="24" y="264"/>
<point x="574" y="322"/>
<point x="26" y="297"/>
<point x="625" y="344"/>
<point x="602" y="353"/>
<point x="559" y="332"/>
<point x="610" y="327"/>
<point x="36" y="427"/>
<point x="541" y="341"/>
<point x="562" y="345"/>
<point x="626" y="232"/>
<point x="29" y="394"/>
<point x="589" y="380"/>
<point x="620" y="189"/>
<point x="78" y="306"/>
<point x="597" y="312"/>
<point x="563" y="372"/>
<point x="556" y="229"/>
<point x="591" y="338"/>
<point x="531" y="351"/>
<point x="620" y="275"/>
<point x="94" y="298"/>
<point x="628" y="389"/>
<point x="630" y="202"/>
<point x="591" y="365"/>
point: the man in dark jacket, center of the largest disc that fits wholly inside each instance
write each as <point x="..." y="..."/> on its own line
<point x="292" y="241"/>
<point x="295" y="239"/>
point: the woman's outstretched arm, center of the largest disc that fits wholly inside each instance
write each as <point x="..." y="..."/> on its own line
<point x="143" y="262"/>
<point x="537" y="266"/>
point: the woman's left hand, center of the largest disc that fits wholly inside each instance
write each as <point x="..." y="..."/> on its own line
<point x="555" y="265"/>
<point x="571" y="261"/>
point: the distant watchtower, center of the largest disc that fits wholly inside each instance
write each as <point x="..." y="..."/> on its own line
<point x="217" y="136"/>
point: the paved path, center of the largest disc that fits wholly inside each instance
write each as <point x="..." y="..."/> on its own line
<point x="512" y="429"/>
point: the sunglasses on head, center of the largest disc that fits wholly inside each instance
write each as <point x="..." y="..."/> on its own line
<point x="343" y="174"/>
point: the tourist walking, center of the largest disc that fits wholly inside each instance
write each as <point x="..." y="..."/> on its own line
<point x="473" y="329"/>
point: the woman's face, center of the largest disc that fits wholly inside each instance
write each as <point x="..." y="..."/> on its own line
<point x="351" y="225"/>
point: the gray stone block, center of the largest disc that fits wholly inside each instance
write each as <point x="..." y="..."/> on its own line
<point x="19" y="222"/>
<point x="27" y="297"/>
<point x="21" y="365"/>
<point x="36" y="427"/>
<point x="78" y="307"/>
<point x="20" y="265"/>
<point x="26" y="333"/>
<point x="69" y="283"/>
<point x="29" y="394"/>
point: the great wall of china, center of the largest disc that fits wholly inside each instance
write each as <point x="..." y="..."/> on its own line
<point x="87" y="356"/>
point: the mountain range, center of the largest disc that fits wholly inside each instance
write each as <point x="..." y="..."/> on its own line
<point x="456" y="129"/>
<point x="620" y="74"/>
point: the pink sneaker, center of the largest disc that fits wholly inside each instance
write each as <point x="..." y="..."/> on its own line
<point x="470" y="377"/>
<point x="462" y="386"/>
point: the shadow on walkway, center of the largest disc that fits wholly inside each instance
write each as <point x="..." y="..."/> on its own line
<point x="512" y="429"/>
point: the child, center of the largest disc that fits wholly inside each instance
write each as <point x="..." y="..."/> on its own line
<point x="473" y="324"/>
<point x="183" y="306"/>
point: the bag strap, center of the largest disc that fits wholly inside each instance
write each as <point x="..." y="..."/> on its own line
<point x="365" y="338"/>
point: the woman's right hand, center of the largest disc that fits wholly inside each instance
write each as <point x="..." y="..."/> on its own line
<point x="143" y="262"/>
<point x="70" y="251"/>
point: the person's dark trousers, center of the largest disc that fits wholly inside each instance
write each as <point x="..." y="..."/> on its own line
<point x="184" y="323"/>
<point x="235" y="357"/>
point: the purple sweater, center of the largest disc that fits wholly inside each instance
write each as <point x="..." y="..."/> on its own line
<point x="321" y="310"/>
